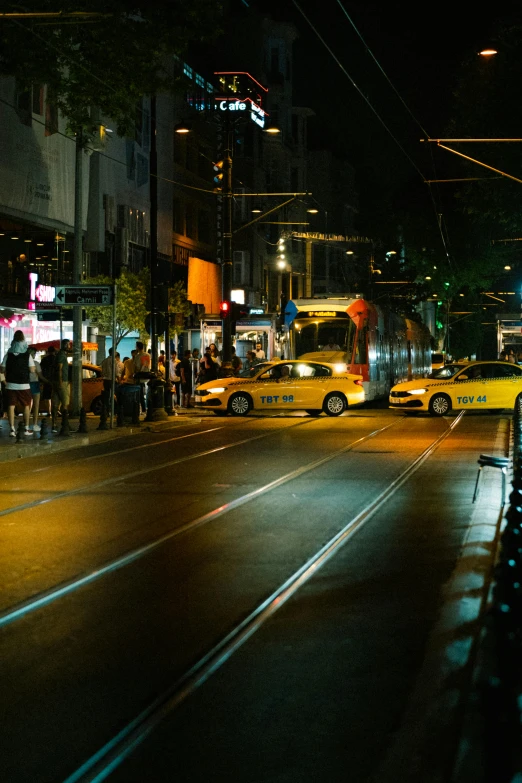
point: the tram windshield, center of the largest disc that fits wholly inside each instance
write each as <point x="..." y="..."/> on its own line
<point x="312" y="335"/>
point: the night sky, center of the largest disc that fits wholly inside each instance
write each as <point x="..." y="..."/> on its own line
<point x="419" y="47"/>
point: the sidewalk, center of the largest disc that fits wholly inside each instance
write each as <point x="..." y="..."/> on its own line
<point x="34" y="446"/>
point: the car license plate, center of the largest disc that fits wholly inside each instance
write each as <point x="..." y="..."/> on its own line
<point x="197" y="398"/>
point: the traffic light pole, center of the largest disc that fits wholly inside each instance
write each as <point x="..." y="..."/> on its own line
<point x="153" y="186"/>
<point x="226" y="273"/>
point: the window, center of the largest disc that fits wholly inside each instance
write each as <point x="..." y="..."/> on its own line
<point x="204" y="226"/>
<point x="200" y="80"/>
<point x="189" y="221"/>
<point x="187" y="70"/>
<point x="23" y="106"/>
<point x="38" y="99"/>
<point x="51" y="115"/>
<point x="177" y="220"/>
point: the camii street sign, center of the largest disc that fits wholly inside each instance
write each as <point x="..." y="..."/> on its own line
<point x="84" y="295"/>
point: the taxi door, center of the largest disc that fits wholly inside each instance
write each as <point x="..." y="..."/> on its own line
<point x="482" y="390"/>
<point x="274" y="388"/>
<point x="310" y="384"/>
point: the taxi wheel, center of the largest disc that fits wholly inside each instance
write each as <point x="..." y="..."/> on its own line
<point x="334" y="404"/>
<point x="314" y="412"/>
<point x="239" y="404"/>
<point x="440" y="405"/>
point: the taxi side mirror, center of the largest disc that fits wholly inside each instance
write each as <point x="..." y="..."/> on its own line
<point x="462" y="378"/>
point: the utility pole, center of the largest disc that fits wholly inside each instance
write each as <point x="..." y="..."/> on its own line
<point x="77" y="275"/>
<point x="226" y="272"/>
<point x="153" y="188"/>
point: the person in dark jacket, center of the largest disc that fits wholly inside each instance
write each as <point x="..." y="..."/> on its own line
<point x="17" y="365"/>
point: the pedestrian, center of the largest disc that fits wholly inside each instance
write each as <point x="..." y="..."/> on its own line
<point x="106" y="368"/>
<point x="128" y="368"/>
<point x="208" y="367"/>
<point x="195" y="354"/>
<point x="47" y="366"/>
<point x="237" y="364"/>
<point x="511" y="356"/>
<point x="331" y="345"/>
<point x="141" y="365"/>
<point x="215" y="354"/>
<point x="175" y="377"/>
<point x="17" y="365"/>
<point x="161" y="358"/>
<point x="35" y="378"/>
<point x="251" y="361"/>
<point x="60" y="383"/>
<point x="185" y="371"/>
<point x="260" y="354"/>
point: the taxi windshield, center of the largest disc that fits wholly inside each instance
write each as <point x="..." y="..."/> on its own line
<point x="448" y="371"/>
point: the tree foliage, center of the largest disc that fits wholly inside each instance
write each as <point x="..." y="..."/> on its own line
<point x="132" y="304"/>
<point x="108" y="61"/>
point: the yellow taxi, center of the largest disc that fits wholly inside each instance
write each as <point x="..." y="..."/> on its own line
<point x="315" y="387"/>
<point x="470" y="386"/>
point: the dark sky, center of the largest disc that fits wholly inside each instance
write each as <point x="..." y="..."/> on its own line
<point x="420" y="47"/>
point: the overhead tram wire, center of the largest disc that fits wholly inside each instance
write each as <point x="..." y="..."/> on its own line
<point x="363" y="96"/>
<point x="377" y="63"/>
<point x="414" y="118"/>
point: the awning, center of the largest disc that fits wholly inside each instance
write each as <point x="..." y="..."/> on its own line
<point x="56" y="344"/>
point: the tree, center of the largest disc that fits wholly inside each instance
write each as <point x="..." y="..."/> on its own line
<point x="108" y="59"/>
<point x="132" y="304"/>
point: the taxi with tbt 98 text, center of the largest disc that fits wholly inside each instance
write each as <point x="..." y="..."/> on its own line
<point x="315" y="387"/>
<point x="461" y="386"/>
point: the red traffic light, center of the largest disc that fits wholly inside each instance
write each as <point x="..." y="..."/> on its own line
<point x="224" y="309"/>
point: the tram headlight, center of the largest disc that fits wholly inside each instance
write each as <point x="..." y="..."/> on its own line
<point x="417" y="391"/>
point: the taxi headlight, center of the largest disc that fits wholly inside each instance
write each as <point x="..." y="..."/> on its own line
<point x="217" y="390"/>
<point x="417" y="391"/>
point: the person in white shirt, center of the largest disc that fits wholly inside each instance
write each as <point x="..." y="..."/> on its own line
<point x="331" y="345"/>
<point x="17" y="365"/>
<point x="260" y="354"/>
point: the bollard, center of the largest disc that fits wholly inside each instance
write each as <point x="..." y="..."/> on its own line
<point x="136" y="413"/>
<point x="83" y="421"/>
<point x="20" y="431"/>
<point x="43" y="430"/>
<point x="65" y="429"/>
<point x="103" y="419"/>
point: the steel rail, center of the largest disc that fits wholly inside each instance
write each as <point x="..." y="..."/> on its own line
<point x="134" y="474"/>
<point x="38" y="601"/>
<point x="100" y="765"/>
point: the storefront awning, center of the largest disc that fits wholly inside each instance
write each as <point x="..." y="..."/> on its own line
<point x="56" y="344"/>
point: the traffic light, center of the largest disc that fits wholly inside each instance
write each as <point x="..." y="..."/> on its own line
<point x="237" y="311"/>
<point x="218" y="174"/>
<point x="224" y="310"/>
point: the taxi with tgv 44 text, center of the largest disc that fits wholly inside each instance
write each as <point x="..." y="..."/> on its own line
<point x="315" y="387"/>
<point x="470" y="386"/>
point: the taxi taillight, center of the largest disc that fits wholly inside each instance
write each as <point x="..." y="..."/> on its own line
<point x="358" y="382"/>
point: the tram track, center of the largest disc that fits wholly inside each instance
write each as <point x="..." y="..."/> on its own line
<point x="44" y="598"/>
<point x="100" y="765"/>
<point x="149" y="469"/>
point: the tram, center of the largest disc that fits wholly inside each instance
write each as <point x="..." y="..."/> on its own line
<point x="382" y="346"/>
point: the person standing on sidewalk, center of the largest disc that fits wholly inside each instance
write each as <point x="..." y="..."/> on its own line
<point x="185" y="371"/>
<point x="141" y="364"/>
<point x="17" y="365"/>
<point x="106" y="368"/>
<point x="35" y="378"/>
<point x="60" y="382"/>
<point x="174" y="376"/>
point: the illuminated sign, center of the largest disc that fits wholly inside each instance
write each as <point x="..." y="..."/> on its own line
<point x="322" y="314"/>
<point x="39" y="293"/>
<point x="239" y="106"/>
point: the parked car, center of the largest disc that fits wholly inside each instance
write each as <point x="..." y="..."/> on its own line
<point x="92" y="387"/>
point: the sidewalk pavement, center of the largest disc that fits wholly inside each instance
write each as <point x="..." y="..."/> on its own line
<point x="12" y="449"/>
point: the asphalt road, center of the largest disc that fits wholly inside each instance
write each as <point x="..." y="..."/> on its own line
<point x="259" y="599"/>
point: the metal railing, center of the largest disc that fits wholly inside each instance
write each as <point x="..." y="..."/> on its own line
<point x="502" y="683"/>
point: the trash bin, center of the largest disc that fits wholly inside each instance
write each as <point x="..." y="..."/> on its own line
<point x="156" y="393"/>
<point x="128" y="395"/>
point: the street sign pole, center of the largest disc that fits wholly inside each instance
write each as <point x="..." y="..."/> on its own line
<point x="77" y="275"/>
<point x="113" y="384"/>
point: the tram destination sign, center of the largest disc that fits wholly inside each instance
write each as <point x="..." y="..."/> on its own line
<point x="84" y="295"/>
